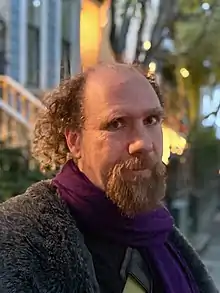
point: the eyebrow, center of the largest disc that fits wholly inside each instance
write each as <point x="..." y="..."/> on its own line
<point x="157" y="111"/>
<point x="152" y="111"/>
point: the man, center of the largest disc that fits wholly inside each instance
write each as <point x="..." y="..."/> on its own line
<point x="99" y="225"/>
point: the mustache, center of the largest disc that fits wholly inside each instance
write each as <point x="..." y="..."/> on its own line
<point x="138" y="163"/>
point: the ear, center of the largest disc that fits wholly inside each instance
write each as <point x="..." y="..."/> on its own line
<point x="73" y="143"/>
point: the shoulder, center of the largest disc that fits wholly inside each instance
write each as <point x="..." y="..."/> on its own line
<point x="40" y="244"/>
<point x="39" y="212"/>
<point x="40" y="192"/>
<point x="193" y="261"/>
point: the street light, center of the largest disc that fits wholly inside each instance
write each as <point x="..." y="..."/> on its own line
<point x="147" y="45"/>
<point x="205" y="6"/>
<point x="184" y="72"/>
<point x="152" y="67"/>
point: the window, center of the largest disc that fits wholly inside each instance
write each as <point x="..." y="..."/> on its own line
<point x="33" y="53"/>
<point x="65" y="62"/>
<point x="66" y="39"/>
<point x="33" y="43"/>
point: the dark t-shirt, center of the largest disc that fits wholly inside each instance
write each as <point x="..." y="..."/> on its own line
<point x="113" y="263"/>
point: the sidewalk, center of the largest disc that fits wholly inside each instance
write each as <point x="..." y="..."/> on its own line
<point x="200" y="241"/>
<point x="211" y="255"/>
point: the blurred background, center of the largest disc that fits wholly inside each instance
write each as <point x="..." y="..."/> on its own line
<point x="43" y="41"/>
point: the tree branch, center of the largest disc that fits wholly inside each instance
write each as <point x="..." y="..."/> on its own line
<point x="213" y="86"/>
<point x="212" y="113"/>
<point x="166" y="17"/>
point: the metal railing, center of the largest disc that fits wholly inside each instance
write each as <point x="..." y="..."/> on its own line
<point x="18" y="112"/>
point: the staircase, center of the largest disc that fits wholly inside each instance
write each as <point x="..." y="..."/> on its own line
<point x="18" y="112"/>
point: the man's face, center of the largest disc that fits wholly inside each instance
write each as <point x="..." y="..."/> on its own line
<point x="121" y="143"/>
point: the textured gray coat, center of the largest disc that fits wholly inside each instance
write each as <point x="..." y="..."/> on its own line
<point x="42" y="251"/>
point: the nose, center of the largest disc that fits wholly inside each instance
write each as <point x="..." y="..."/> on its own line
<point x="139" y="145"/>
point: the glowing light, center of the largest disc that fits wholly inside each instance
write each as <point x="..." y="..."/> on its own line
<point x="152" y="67"/>
<point x="184" y="72"/>
<point x="172" y="142"/>
<point x="36" y="3"/>
<point x="205" y="6"/>
<point x="206" y="63"/>
<point x="147" y="45"/>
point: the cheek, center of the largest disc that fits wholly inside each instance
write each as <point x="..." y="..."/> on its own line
<point x="101" y="150"/>
<point x="97" y="148"/>
<point x="110" y="149"/>
<point x="92" y="145"/>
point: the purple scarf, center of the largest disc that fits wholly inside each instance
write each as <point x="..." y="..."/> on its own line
<point x="148" y="232"/>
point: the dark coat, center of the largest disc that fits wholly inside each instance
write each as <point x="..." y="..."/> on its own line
<point x="42" y="251"/>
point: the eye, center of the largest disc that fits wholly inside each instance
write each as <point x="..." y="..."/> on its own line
<point x="152" y="120"/>
<point x="115" y="124"/>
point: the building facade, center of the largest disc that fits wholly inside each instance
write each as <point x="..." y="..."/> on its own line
<point x="35" y="36"/>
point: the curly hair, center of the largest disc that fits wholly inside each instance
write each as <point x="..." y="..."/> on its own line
<point x="63" y="108"/>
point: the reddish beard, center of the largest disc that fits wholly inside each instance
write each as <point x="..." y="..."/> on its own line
<point x="138" y="193"/>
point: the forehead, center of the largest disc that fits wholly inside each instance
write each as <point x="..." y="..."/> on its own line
<point x="118" y="91"/>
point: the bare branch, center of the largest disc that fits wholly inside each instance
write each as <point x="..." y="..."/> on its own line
<point x="166" y="17"/>
<point x="212" y="113"/>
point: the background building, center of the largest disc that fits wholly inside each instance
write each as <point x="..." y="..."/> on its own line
<point x="36" y="34"/>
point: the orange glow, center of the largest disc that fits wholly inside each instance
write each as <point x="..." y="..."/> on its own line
<point x="172" y="142"/>
<point x="93" y="19"/>
<point x="89" y="33"/>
